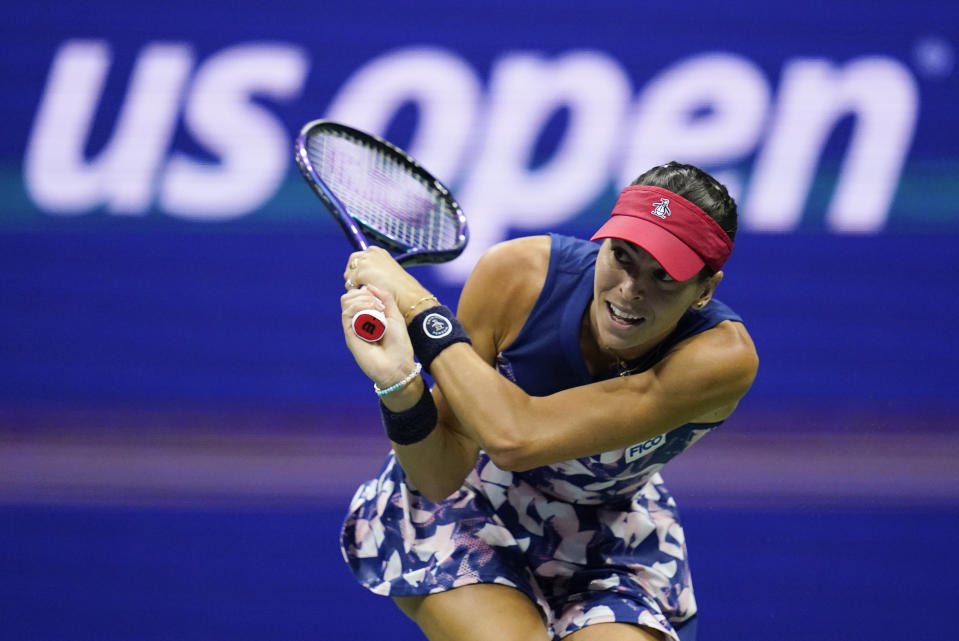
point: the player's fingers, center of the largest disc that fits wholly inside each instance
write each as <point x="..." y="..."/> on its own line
<point x="349" y="274"/>
<point x="381" y="295"/>
<point x="361" y="298"/>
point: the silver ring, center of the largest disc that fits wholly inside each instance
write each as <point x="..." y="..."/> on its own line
<point x="349" y="284"/>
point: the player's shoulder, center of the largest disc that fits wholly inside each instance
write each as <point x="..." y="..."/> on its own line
<point x="731" y="337"/>
<point x="504" y="285"/>
<point x="513" y="266"/>
<point x="725" y="351"/>
<point x="517" y="254"/>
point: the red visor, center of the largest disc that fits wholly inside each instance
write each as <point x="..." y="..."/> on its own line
<point x="678" y="234"/>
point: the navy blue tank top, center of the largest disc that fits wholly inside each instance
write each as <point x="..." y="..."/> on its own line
<point x="546" y="358"/>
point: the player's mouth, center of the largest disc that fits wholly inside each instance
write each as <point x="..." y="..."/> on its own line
<point x="622" y="318"/>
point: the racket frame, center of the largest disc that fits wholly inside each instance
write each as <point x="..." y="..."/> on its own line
<point x="359" y="233"/>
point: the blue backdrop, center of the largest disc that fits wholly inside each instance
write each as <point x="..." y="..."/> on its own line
<point x="164" y="270"/>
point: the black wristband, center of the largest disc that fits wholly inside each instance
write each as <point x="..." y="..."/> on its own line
<point x="412" y="425"/>
<point x="432" y="331"/>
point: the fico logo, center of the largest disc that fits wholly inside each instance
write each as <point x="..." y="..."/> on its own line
<point x="642" y="449"/>
<point x="712" y="109"/>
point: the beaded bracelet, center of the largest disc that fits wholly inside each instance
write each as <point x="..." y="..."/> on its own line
<point x="397" y="386"/>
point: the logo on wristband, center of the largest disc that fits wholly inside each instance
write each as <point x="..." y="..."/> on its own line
<point x="437" y="326"/>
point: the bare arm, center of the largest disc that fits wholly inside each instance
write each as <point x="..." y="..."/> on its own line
<point x="437" y="465"/>
<point x="704" y="377"/>
<point x="701" y="380"/>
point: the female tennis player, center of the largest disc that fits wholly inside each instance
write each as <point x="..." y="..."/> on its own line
<point x="522" y="498"/>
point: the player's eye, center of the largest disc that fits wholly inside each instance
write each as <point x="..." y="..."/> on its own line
<point x="662" y="276"/>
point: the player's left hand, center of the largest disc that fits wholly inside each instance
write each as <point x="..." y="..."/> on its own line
<point x="375" y="266"/>
<point x="390" y="359"/>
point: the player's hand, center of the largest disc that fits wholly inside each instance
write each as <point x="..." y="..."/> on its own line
<point x="375" y="266"/>
<point x="390" y="359"/>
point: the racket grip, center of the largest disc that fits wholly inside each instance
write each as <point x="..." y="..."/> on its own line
<point x="369" y="324"/>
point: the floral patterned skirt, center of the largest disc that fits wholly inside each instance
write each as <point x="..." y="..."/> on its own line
<point x="581" y="564"/>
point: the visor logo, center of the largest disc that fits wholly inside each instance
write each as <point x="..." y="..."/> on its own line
<point x="661" y="209"/>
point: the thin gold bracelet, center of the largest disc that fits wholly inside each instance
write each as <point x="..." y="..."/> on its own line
<point x="413" y="307"/>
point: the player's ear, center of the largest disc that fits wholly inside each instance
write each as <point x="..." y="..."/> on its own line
<point x="707" y="289"/>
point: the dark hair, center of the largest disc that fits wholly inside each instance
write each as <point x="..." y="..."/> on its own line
<point x="698" y="187"/>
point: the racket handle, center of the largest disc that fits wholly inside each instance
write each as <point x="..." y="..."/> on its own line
<point x="369" y="324"/>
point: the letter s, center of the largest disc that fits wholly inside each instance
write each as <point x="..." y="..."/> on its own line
<point x="252" y="144"/>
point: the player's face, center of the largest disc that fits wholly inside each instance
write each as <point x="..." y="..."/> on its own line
<point x="636" y="304"/>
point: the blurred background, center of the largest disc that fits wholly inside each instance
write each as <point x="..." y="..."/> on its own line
<point x="181" y="428"/>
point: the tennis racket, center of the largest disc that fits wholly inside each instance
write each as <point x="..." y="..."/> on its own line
<point x="380" y="196"/>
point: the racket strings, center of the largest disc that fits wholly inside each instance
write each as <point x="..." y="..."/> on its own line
<point x="379" y="191"/>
